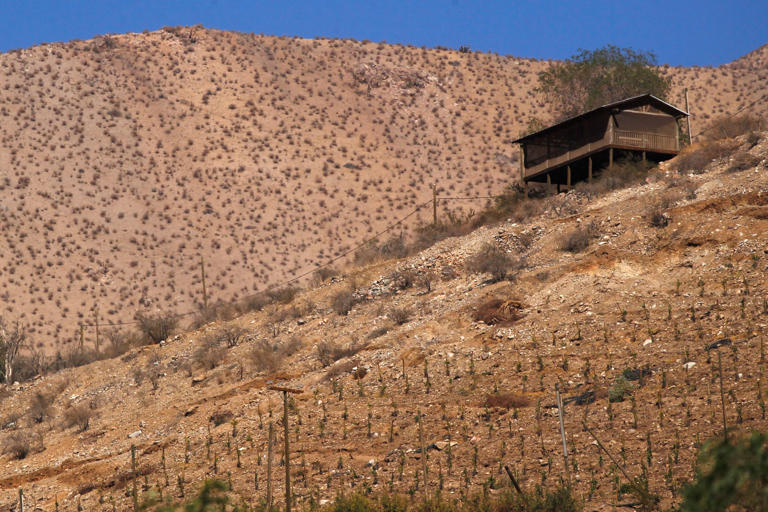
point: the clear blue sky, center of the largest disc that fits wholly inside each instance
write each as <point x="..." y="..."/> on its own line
<point x="704" y="32"/>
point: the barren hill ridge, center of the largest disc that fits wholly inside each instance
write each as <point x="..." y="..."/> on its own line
<point x="126" y="158"/>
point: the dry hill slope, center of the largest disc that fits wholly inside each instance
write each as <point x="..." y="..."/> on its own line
<point x="641" y="301"/>
<point x="125" y="158"/>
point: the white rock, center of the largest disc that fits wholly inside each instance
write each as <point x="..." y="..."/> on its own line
<point x="134" y="434"/>
<point x="689" y="365"/>
<point x="647" y="342"/>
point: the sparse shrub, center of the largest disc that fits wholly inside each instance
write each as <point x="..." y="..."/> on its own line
<point x="379" y="331"/>
<point x="728" y="127"/>
<point x="657" y="218"/>
<point x="157" y="328"/>
<point x="79" y="416"/>
<point x="328" y="352"/>
<point x="507" y="400"/>
<point x="264" y="357"/>
<point x="742" y="161"/>
<point x="40" y="407"/>
<point x="399" y="315"/>
<point x="498" y="311"/>
<point x="696" y="159"/>
<point x="624" y="173"/>
<point x="323" y="274"/>
<point x="255" y="302"/>
<point x="493" y="260"/>
<point x="283" y="295"/>
<point x="210" y="353"/>
<point x="343" y="301"/>
<point x="231" y="334"/>
<point x="221" y="417"/>
<point x="403" y="279"/>
<point x="577" y="240"/>
<point x="19" y="444"/>
<point x="620" y="390"/>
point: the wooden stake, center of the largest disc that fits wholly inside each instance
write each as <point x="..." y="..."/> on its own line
<point x="512" y="478"/>
<point x="202" y="275"/>
<point x="434" y="205"/>
<point x="589" y="169"/>
<point x="82" y="336"/>
<point x="423" y="452"/>
<point x="96" y="314"/>
<point x="562" y="432"/>
<point x="722" y="394"/>
<point x="21" y="500"/>
<point x="269" y="467"/>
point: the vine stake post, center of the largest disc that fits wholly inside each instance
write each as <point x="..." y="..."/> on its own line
<point x="285" y="392"/>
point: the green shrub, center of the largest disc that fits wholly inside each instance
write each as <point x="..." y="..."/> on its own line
<point x="620" y="390"/>
<point x="493" y="260"/>
<point x="730" y="476"/>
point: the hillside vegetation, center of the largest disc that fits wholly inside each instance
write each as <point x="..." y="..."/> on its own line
<point x="646" y="306"/>
<point x="126" y="158"/>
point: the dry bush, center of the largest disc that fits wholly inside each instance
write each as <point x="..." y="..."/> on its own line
<point x="210" y="353"/>
<point x="323" y="274"/>
<point x="157" y="328"/>
<point x="255" y="302"/>
<point x="119" y="342"/>
<point x="403" y="279"/>
<point x="624" y="173"/>
<point x="329" y="352"/>
<point x="231" y="334"/>
<point x="578" y="239"/>
<point x="742" y="161"/>
<point x="340" y="368"/>
<point x="221" y="417"/>
<point x="507" y="400"/>
<point x="41" y="407"/>
<point x="19" y="444"/>
<point x="80" y="416"/>
<point x="265" y="357"/>
<point x="498" y="312"/>
<point x="343" y="301"/>
<point x="493" y="260"/>
<point x="399" y="315"/>
<point x="728" y="127"/>
<point x="380" y="331"/>
<point x="697" y="159"/>
<point x="283" y="295"/>
<point x="657" y="218"/>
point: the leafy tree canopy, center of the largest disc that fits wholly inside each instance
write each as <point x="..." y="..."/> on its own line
<point x="590" y="79"/>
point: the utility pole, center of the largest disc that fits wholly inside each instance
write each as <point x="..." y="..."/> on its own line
<point x="202" y="274"/>
<point x="287" y="454"/>
<point x="688" y="118"/>
<point x="269" y="468"/>
<point x="96" y="314"/>
<point x="434" y="205"/>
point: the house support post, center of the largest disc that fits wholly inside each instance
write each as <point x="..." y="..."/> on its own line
<point x="549" y="183"/>
<point x="643" y="156"/>
<point x="610" y="158"/>
<point x="589" y="169"/>
<point x="568" y="179"/>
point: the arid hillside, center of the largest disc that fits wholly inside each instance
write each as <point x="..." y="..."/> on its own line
<point x="646" y="305"/>
<point x="126" y="158"/>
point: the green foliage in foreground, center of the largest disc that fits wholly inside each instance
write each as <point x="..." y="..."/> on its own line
<point x="212" y="497"/>
<point x="730" y="475"/>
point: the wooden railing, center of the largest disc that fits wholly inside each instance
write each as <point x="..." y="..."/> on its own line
<point x="644" y="140"/>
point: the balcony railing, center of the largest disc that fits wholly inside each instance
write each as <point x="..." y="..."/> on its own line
<point x="645" y="140"/>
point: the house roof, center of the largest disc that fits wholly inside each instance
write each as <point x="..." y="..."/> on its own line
<point x="628" y="103"/>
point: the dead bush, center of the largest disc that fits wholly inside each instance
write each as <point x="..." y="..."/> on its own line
<point x="221" y="417"/>
<point x="697" y="159"/>
<point x="657" y="218"/>
<point x="255" y="302"/>
<point x="80" y="416"/>
<point x="624" y="173"/>
<point x="380" y="331"/>
<point x="742" y="161"/>
<point x="19" y="444"/>
<point x="265" y="357"/>
<point x="578" y="239"/>
<point x="343" y="301"/>
<point x="158" y="327"/>
<point x="341" y="367"/>
<point x="210" y="353"/>
<point x="498" y="312"/>
<point x="118" y="342"/>
<point x="283" y="295"/>
<point x="399" y="315"/>
<point x="329" y="352"/>
<point x="728" y="127"/>
<point x="493" y="260"/>
<point x="507" y="400"/>
<point x="41" y="407"/>
<point x="231" y="334"/>
<point x="323" y="274"/>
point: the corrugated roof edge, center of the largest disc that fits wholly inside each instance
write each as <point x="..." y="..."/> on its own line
<point x="676" y="112"/>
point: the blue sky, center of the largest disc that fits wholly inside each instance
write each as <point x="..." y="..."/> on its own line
<point x="705" y="32"/>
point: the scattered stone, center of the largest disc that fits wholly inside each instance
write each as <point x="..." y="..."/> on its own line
<point x="135" y="434"/>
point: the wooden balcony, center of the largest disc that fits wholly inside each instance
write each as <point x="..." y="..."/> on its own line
<point x="619" y="139"/>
